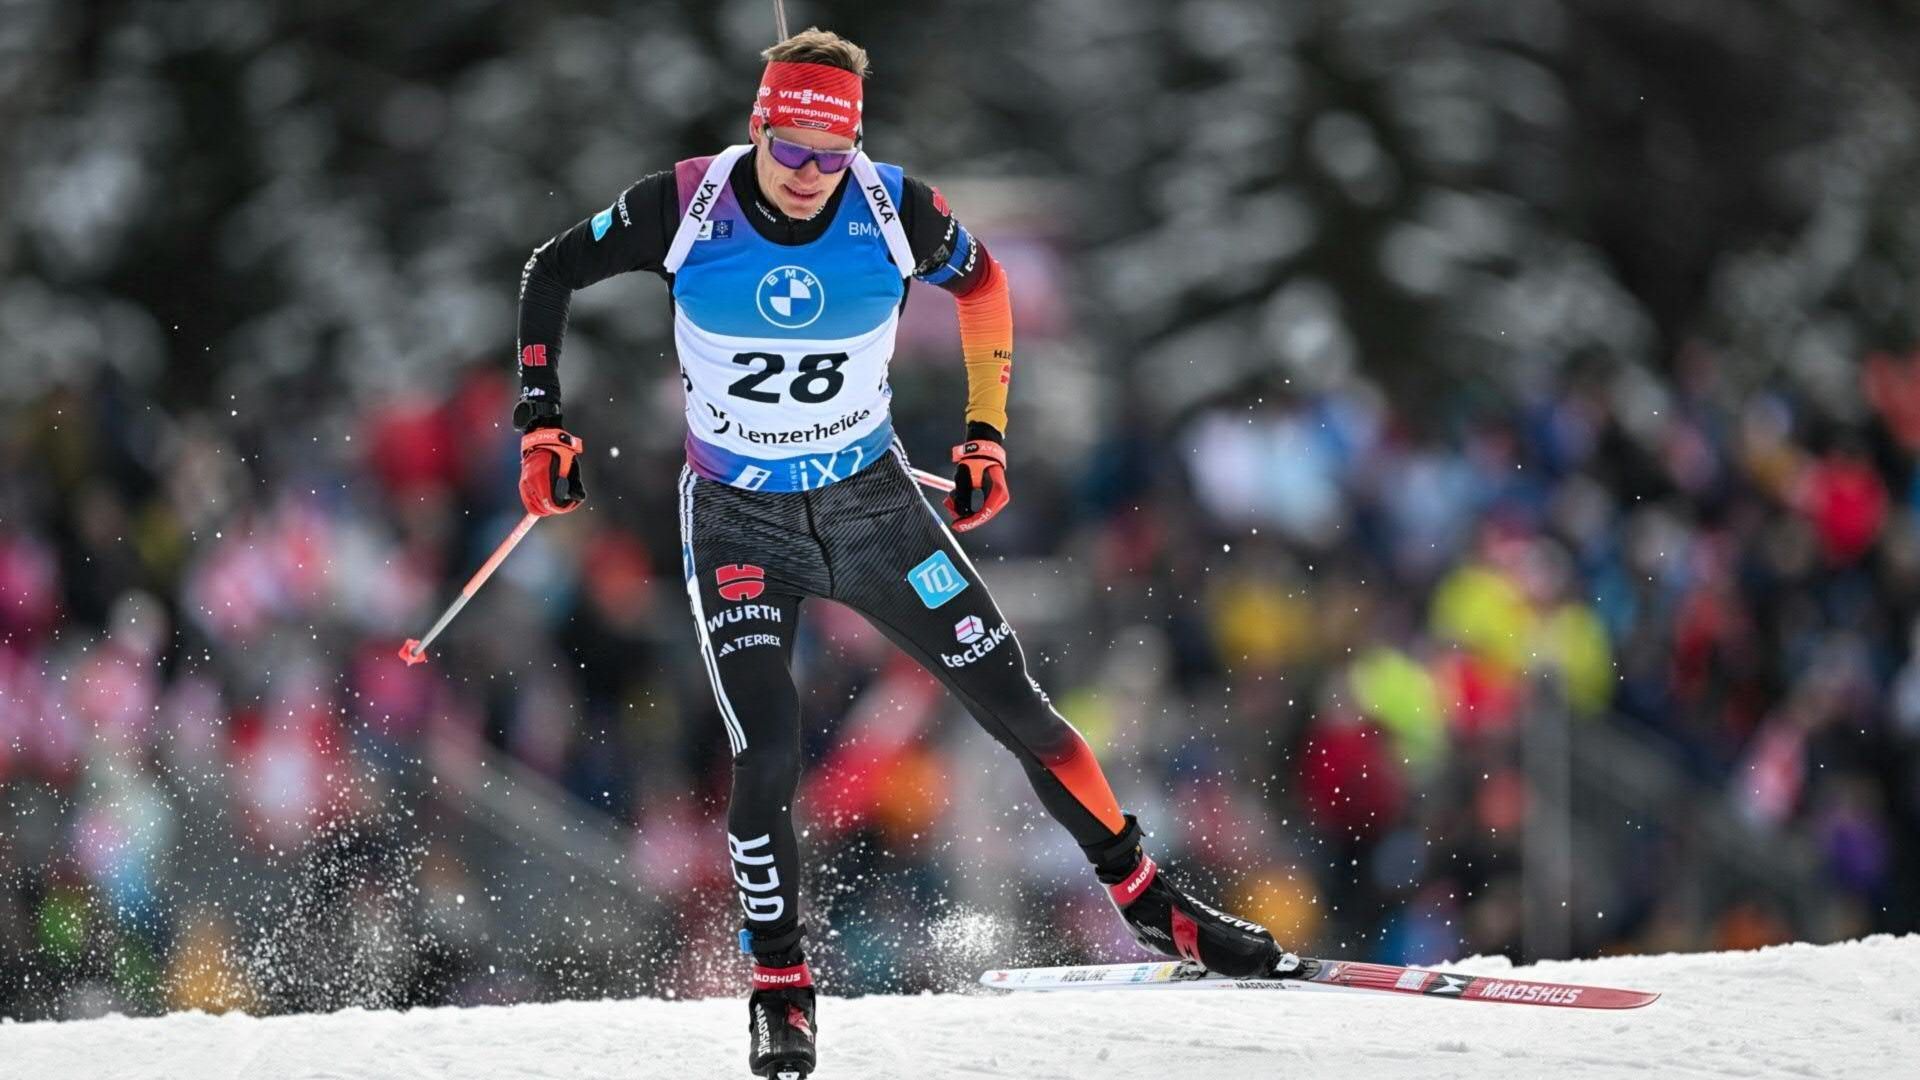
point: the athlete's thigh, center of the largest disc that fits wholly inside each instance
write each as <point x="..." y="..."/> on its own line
<point x="898" y="564"/>
<point x="747" y="568"/>
<point x="895" y="562"/>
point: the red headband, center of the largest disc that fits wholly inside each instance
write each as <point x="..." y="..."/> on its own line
<point x="816" y="96"/>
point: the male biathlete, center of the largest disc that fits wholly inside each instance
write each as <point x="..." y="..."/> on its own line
<point x="787" y="281"/>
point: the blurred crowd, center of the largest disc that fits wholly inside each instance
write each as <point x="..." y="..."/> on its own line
<point x="1305" y="545"/>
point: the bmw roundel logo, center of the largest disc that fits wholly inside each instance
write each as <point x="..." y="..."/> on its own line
<point x="790" y="297"/>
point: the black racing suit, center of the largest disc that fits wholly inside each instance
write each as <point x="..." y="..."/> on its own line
<point x="870" y="541"/>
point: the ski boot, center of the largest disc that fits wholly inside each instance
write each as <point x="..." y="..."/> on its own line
<point x="780" y="1018"/>
<point x="1170" y="921"/>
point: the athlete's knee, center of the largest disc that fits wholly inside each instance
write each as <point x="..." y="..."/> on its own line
<point x="1010" y="696"/>
<point x="1030" y="723"/>
<point x="769" y="766"/>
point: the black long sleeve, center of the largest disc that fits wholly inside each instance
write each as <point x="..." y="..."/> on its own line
<point x="632" y="234"/>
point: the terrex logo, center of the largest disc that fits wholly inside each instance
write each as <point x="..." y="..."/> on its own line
<point x="740" y="581"/>
<point x="981" y="643"/>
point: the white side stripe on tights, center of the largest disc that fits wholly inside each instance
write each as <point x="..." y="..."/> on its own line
<point x="736" y="735"/>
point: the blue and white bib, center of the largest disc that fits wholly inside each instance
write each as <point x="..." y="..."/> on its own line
<point x="784" y="348"/>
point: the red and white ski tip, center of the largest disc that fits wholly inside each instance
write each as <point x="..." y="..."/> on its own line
<point x="412" y="652"/>
<point x="1338" y="976"/>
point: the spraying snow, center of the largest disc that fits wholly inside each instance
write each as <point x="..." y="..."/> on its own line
<point x="1845" y="1010"/>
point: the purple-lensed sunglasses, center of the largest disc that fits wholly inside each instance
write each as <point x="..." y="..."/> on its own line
<point x="795" y="156"/>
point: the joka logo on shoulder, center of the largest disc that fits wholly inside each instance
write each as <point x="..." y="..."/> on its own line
<point x="741" y="581"/>
<point x="936" y="579"/>
<point x="790" y="297"/>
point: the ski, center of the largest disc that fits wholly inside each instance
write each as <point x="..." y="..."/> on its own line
<point x="1341" y="976"/>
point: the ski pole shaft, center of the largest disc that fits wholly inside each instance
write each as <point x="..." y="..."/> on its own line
<point x="927" y="479"/>
<point x="415" y="650"/>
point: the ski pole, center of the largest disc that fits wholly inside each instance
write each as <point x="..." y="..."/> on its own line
<point x="415" y="650"/>
<point x="927" y="479"/>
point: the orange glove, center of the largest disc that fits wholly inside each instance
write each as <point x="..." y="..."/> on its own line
<point x="982" y="471"/>
<point x="550" y="472"/>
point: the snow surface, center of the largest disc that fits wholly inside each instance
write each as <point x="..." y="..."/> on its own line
<point x="1848" y="1010"/>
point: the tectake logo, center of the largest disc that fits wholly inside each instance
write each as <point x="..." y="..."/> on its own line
<point x="790" y="297"/>
<point x="741" y="581"/>
<point x="980" y="644"/>
<point x="969" y="630"/>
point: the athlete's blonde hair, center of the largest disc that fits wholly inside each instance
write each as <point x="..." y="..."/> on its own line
<point x="816" y="46"/>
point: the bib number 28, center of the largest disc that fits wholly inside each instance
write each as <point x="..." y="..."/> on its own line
<point x="819" y="376"/>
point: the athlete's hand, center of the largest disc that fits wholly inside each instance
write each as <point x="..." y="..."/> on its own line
<point x="979" y="476"/>
<point x="550" y="472"/>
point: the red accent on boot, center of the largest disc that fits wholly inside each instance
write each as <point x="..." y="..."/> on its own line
<point x="1129" y="890"/>
<point x="766" y="978"/>
<point x="798" y="1020"/>
<point x="1186" y="935"/>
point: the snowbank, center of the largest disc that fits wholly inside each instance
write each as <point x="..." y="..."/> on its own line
<point x="1849" y="1010"/>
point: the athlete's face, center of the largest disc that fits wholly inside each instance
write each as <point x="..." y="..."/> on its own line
<point x="798" y="193"/>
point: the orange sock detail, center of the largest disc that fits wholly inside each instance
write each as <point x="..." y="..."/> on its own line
<point x="1079" y="772"/>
